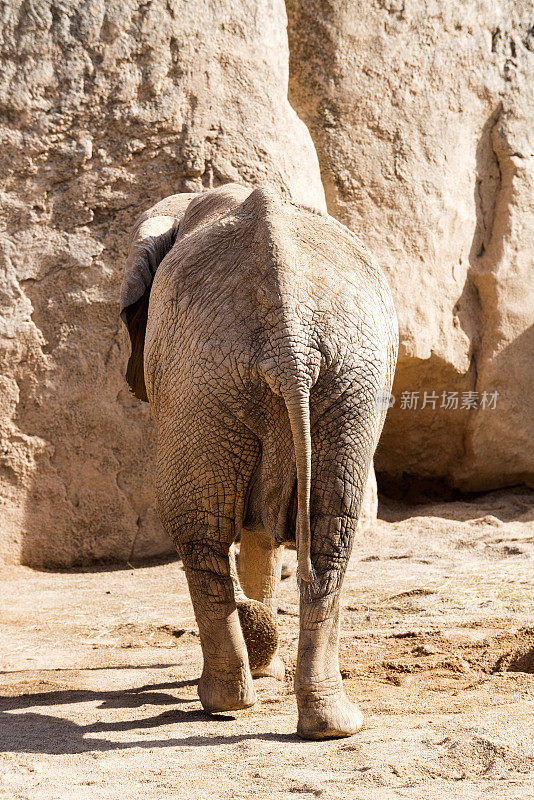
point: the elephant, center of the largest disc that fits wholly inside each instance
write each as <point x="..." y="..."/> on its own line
<point x="263" y="335"/>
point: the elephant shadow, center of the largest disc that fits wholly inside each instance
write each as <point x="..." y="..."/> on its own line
<point x="25" y="731"/>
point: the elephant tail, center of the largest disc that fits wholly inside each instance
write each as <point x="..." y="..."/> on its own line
<point x="298" y="409"/>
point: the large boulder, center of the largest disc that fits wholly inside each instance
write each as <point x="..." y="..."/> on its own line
<point x="422" y="114"/>
<point x="108" y="106"/>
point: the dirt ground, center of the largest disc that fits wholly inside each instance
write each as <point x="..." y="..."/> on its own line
<point x="99" y="669"/>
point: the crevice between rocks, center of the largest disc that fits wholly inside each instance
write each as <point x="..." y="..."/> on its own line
<point x="485" y="251"/>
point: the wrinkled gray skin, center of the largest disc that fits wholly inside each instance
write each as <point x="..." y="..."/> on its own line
<point x="270" y="332"/>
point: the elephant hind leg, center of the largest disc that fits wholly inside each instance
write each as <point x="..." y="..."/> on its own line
<point x="325" y="712"/>
<point x="226" y="682"/>
<point x="343" y="445"/>
<point x="202" y="476"/>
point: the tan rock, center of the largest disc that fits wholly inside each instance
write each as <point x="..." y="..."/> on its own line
<point x="108" y="107"/>
<point x="422" y="116"/>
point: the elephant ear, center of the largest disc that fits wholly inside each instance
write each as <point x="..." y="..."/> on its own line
<point x="152" y="237"/>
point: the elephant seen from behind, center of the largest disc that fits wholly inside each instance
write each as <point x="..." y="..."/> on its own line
<point x="263" y="335"/>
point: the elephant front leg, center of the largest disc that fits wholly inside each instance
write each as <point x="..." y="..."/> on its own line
<point x="260" y="565"/>
<point x="226" y="683"/>
<point x="324" y="709"/>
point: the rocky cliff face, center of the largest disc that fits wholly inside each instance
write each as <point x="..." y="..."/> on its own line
<point x="106" y="107"/>
<point x="423" y="119"/>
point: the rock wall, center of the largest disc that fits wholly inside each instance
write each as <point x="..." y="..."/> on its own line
<point x="422" y="114"/>
<point x="106" y="107"/>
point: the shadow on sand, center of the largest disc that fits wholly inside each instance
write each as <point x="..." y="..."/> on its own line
<point x="25" y="731"/>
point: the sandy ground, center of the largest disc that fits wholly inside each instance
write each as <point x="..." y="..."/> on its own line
<point x="98" y="676"/>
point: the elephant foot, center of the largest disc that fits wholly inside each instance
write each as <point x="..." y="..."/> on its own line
<point x="275" y="669"/>
<point x="230" y="693"/>
<point x="329" y="717"/>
